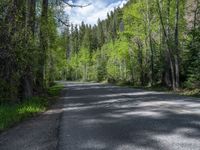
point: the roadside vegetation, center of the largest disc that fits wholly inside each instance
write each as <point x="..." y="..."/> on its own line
<point x="31" y="56"/>
<point x="193" y="92"/>
<point x="190" y="92"/>
<point x="10" y="114"/>
<point x="54" y="90"/>
<point x="144" y="44"/>
<point x="32" y="51"/>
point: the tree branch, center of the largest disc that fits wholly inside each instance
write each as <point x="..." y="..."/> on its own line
<point x="75" y="5"/>
<point x="60" y="20"/>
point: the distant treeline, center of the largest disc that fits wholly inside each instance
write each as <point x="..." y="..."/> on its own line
<point x="145" y="43"/>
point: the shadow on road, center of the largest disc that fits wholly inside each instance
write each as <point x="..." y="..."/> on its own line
<point x="114" y="118"/>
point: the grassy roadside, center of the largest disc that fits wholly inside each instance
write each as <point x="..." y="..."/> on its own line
<point x="189" y="92"/>
<point x="12" y="114"/>
<point x="183" y="91"/>
<point x="54" y="90"/>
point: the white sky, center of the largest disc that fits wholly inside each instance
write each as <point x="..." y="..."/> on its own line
<point x="90" y="14"/>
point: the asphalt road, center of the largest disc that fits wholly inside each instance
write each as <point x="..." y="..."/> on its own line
<point x="92" y="116"/>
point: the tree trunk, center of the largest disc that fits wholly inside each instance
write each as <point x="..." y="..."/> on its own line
<point x="169" y="51"/>
<point x="168" y="81"/>
<point x="196" y="14"/>
<point x="176" y="34"/>
<point x="150" y="44"/>
<point x="27" y="78"/>
<point x="32" y="13"/>
<point x="140" y="60"/>
<point x="41" y="83"/>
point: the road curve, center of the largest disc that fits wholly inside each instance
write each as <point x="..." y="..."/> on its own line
<point x="92" y="116"/>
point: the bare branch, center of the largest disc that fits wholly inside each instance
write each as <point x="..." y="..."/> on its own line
<point x="60" y="20"/>
<point x="75" y="5"/>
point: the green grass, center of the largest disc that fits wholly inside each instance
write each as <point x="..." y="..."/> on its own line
<point x="190" y="92"/>
<point x="181" y="91"/>
<point x="12" y="114"/>
<point x="55" y="90"/>
<point x="149" y="88"/>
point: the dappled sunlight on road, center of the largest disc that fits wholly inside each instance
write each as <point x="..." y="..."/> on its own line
<point x="116" y="118"/>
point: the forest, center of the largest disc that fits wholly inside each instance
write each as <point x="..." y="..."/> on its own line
<point x="145" y="43"/>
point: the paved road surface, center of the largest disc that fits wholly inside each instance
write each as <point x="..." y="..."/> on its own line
<point x="92" y="116"/>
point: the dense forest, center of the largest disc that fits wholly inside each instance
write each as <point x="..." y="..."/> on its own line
<point x="145" y="43"/>
<point x="30" y="46"/>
